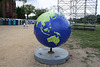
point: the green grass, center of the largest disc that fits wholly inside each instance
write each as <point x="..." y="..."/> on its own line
<point x="88" y="38"/>
<point x="71" y="46"/>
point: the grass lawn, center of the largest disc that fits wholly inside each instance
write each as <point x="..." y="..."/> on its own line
<point x="88" y="38"/>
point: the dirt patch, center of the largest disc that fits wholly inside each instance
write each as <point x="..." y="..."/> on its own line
<point x="17" y="46"/>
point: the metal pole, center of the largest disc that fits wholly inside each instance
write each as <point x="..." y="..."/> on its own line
<point x="96" y="11"/>
<point x="70" y="11"/>
<point x="50" y="51"/>
<point x="85" y="13"/>
<point x="58" y="5"/>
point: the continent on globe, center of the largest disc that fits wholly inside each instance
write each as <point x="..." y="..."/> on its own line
<point x="58" y="34"/>
<point x="44" y="18"/>
<point x="53" y="39"/>
<point x="46" y="29"/>
<point x="52" y="29"/>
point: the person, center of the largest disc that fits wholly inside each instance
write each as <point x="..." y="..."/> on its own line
<point x="24" y="25"/>
<point x="27" y="23"/>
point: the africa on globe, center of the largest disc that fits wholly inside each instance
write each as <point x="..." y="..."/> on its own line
<point x="52" y="29"/>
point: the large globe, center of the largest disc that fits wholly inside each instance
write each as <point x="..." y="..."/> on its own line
<point x="52" y="29"/>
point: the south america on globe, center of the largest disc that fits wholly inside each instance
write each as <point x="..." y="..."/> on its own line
<point x="52" y="29"/>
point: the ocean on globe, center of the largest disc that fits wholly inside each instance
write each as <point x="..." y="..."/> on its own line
<point x="52" y="29"/>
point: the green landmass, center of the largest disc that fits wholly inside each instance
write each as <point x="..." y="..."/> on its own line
<point x="50" y="27"/>
<point x="54" y="18"/>
<point x="43" y="32"/>
<point x="54" y="39"/>
<point x="45" y="18"/>
<point x="58" y="34"/>
<point x="49" y="24"/>
<point x="46" y="29"/>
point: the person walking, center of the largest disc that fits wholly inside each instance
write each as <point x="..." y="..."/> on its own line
<point x="27" y="23"/>
<point x="24" y="26"/>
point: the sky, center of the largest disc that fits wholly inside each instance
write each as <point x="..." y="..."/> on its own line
<point x="46" y="4"/>
<point x="38" y="3"/>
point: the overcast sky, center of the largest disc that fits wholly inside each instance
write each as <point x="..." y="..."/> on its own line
<point x="46" y="3"/>
<point x="38" y="3"/>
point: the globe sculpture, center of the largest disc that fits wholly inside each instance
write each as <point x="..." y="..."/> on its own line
<point x="52" y="30"/>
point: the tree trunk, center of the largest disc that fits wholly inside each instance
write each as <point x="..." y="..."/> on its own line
<point x="27" y="16"/>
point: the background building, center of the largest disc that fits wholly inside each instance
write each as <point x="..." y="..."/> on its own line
<point x="8" y="8"/>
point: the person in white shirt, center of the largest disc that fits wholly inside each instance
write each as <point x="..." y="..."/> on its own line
<point x="24" y="26"/>
<point x="27" y="23"/>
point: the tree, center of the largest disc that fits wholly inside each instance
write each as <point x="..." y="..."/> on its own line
<point x="20" y="12"/>
<point x="38" y="12"/>
<point x="98" y="19"/>
<point x="89" y="19"/>
<point x="1" y="13"/>
<point x="14" y="0"/>
<point x="2" y="0"/>
<point x="24" y="1"/>
<point x="29" y="9"/>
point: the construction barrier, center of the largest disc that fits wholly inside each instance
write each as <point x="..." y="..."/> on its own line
<point x="14" y="22"/>
<point x="30" y="21"/>
<point x="1" y="21"/>
<point x="23" y="21"/>
<point x="18" y="22"/>
<point x="9" y="21"/>
<point x="5" y="22"/>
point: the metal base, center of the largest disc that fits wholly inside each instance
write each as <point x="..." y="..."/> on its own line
<point x="58" y="57"/>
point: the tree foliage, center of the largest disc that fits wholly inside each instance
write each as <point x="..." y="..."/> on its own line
<point x="14" y="0"/>
<point x="20" y="12"/>
<point x="29" y="9"/>
<point x="87" y="19"/>
<point x="38" y="12"/>
<point x="98" y="19"/>
<point x="2" y="0"/>
<point x="1" y="13"/>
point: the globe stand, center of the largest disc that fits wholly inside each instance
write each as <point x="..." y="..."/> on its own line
<point x="50" y="51"/>
<point x="47" y="56"/>
<point x="49" y="30"/>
